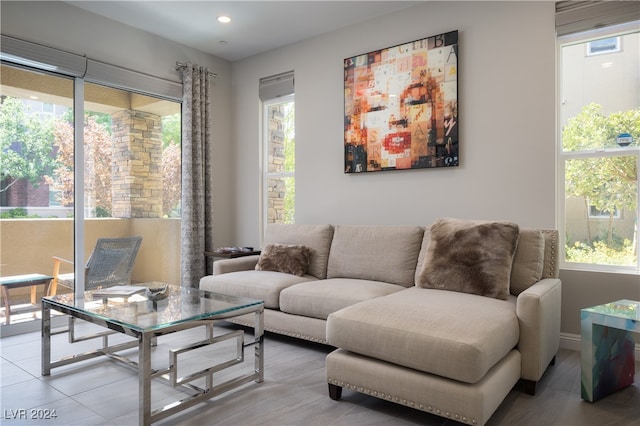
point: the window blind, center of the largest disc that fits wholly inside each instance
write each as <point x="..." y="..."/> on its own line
<point x="276" y="86"/>
<point x="578" y="16"/>
<point x="33" y="55"/>
<point x="134" y="81"/>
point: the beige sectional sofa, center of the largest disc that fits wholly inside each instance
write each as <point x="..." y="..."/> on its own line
<point x="412" y="317"/>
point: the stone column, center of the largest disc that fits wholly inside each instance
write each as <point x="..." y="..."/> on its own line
<point x="136" y="182"/>
<point x="275" y="186"/>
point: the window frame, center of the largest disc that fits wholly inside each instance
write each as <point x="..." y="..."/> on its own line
<point x="562" y="157"/>
<point x="265" y="175"/>
<point x="600" y="215"/>
<point x="616" y="49"/>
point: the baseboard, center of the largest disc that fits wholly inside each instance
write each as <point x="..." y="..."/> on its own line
<point x="573" y="341"/>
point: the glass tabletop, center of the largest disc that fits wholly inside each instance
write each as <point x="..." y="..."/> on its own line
<point x="139" y="312"/>
<point x="626" y="309"/>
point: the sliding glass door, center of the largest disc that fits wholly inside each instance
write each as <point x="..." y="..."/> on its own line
<point x="36" y="220"/>
<point x="123" y="180"/>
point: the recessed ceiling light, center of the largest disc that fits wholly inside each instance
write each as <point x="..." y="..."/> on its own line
<point x="224" y="19"/>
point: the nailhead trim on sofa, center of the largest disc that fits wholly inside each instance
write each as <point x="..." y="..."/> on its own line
<point x="412" y="404"/>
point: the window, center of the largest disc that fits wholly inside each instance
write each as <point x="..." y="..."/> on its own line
<point x="604" y="45"/>
<point x="278" y="149"/>
<point x="599" y="191"/>
<point x="595" y="213"/>
<point x="279" y="188"/>
<point x="132" y="155"/>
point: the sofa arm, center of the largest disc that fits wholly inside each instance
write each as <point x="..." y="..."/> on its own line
<point x="245" y="263"/>
<point x="538" y="309"/>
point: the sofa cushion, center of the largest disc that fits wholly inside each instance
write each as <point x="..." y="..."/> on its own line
<point x="318" y="299"/>
<point x="423" y="253"/>
<point x="470" y="256"/>
<point x="378" y="253"/>
<point x="527" y="261"/>
<point x="316" y="237"/>
<point x="261" y="285"/>
<point x="451" y="334"/>
<point x="290" y="259"/>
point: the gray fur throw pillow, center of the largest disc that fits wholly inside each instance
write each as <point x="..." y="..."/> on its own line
<point x="289" y="259"/>
<point x="470" y="257"/>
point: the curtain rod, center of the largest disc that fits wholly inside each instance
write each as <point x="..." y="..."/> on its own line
<point x="181" y="65"/>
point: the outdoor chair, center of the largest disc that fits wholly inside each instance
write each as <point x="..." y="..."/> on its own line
<point x="110" y="263"/>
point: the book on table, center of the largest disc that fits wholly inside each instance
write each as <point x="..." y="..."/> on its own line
<point x="119" y="291"/>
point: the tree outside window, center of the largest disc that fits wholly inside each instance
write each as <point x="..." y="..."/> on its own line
<point x="608" y="184"/>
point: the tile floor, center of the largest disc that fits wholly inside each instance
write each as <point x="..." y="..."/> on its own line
<point x="103" y="392"/>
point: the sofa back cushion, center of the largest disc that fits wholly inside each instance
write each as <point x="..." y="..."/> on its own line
<point x="528" y="261"/>
<point x="378" y="253"/>
<point x="423" y="253"/>
<point x="536" y="258"/>
<point x="316" y="237"/>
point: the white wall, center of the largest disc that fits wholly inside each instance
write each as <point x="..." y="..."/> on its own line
<point x="506" y="112"/>
<point x="59" y="25"/>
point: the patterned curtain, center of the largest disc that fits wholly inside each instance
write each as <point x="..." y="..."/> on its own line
<point x="197" y="196"/>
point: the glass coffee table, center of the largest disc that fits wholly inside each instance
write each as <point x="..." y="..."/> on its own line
<point x="144" y="319"/>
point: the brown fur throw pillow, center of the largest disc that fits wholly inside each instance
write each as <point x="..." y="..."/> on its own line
<point x="470" y="257"/>
<point x="285" y="258"/>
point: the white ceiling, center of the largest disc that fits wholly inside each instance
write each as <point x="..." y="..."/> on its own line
<point x="256" y="26"/>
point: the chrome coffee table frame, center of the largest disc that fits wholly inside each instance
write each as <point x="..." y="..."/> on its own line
<point x="117" y="317"/>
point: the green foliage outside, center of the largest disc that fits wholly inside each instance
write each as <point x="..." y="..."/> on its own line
<point x="102" y="212"/>
<point x="289" y="200"/>
<point x="101" y="118"/>
<point x="18" y="212"/>
<point x="609" y="183"/>
<point x="289" y="162"/>
<point x="599" y="253"/>
<point x="171" y="130"/>
<point x="26" y="144"/>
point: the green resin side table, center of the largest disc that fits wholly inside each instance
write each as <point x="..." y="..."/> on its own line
<point x="608" y="361"/>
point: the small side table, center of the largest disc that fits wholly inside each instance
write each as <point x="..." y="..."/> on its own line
<point x="608" y="360"/>
<point x="27" y="280"/>
<point x="227" y="254"/>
